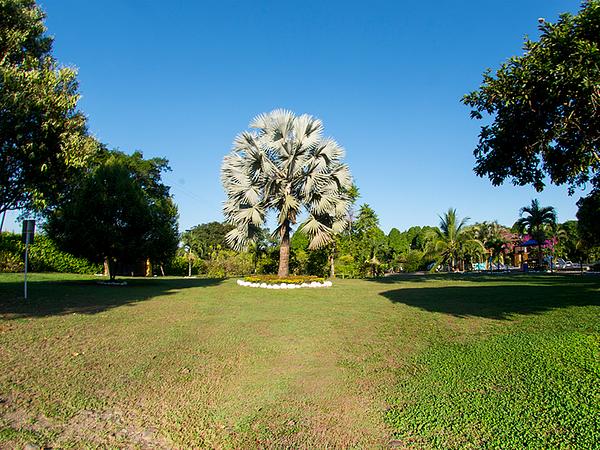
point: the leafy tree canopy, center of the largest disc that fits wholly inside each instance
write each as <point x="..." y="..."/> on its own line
<point x="397" y="241"/>
<point x="42" y="134"/>
<point x="163" y="238"/>
<point x="371" y="239"/>
<point x="206" y="237"/>
<point x="119" y="210"/>
<point x="544" y="107"/>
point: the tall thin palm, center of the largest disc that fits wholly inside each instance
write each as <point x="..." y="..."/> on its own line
<point x="537" y="218"/>
<point x="286" y="165"/>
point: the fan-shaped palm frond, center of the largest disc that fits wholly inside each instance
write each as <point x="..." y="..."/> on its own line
<point x="284" y="164"/>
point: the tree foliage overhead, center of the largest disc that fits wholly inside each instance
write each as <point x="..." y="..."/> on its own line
<point x="544" y="107"/>
<point x="42" y="134"/>
<point x="286" y="165"/>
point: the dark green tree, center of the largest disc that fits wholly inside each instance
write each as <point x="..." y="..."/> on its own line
<point x="371" y="240"/>
<point x="588" y="216"/>
<point x="106" y="218"/>
<point x="397" y="241"/>
<point x="544" y="107"/>
<point x="570" y="245"/>
<point x="163" y="239"/>
<point x="43" y="136"/>
<point x="119" y="210"/>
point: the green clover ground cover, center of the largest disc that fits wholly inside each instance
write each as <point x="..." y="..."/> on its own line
<point x="512" y="391"/>
<point x="421" y="362"/>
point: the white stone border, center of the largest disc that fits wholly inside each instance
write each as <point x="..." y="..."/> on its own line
<point x="312" y="284"/>
<point x="112" y="283"/>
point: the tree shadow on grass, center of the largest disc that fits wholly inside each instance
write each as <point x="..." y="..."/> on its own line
<point x="483" y="277"/>
<point x="84" y="296"/>
<point x="500" y="301"/>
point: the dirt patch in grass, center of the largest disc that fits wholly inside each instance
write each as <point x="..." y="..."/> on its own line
<point x="106" y="428"/>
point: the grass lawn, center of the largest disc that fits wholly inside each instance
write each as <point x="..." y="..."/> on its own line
<point x="421" y="362"/>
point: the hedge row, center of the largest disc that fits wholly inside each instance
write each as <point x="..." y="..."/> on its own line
<point x="44" y="256"/>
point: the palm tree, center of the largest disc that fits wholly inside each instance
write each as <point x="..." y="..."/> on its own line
<point x="535" y="223"/>
<point x="494" y="237"/>
<point x="286" y="165"/>
<point x="451" y="240"/>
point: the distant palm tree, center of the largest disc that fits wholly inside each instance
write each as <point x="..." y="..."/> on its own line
<point x="496" y="246"/>
<point x="285" y="165"/>
<point x="535" y="222"/>
<point x="452" y="239"/>
<point x="494" y="238"/>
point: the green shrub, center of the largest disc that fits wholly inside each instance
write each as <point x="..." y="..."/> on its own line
<point x="291" y="279"/>
<point x="9" y="262"/>
<point x="44" y="256"/>
<point x="413" y="261"/>
<point x="318" y="262"/>
<point x="178" y="266"/>
<point x="268" y="262"/>
<point x="347" y="267"/>
<point x="229" y="263"/>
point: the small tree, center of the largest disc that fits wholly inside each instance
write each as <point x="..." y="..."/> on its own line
<point x="371" y="241"/>
<point x="451" y="239"/>
<point x="285" y="165"/>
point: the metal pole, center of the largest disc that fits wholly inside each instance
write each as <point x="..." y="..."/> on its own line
<point x="26" y="258"/>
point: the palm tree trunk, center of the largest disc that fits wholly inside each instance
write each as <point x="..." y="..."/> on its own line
<point x="111" y="269"/>
<point x="540" y="258"/>
<point x="284" y="252"/>
<point x="2" y="222"/>
<point x="332" y="262"/>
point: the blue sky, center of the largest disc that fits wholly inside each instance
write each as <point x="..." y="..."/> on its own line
<point x="181" y="79"/>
